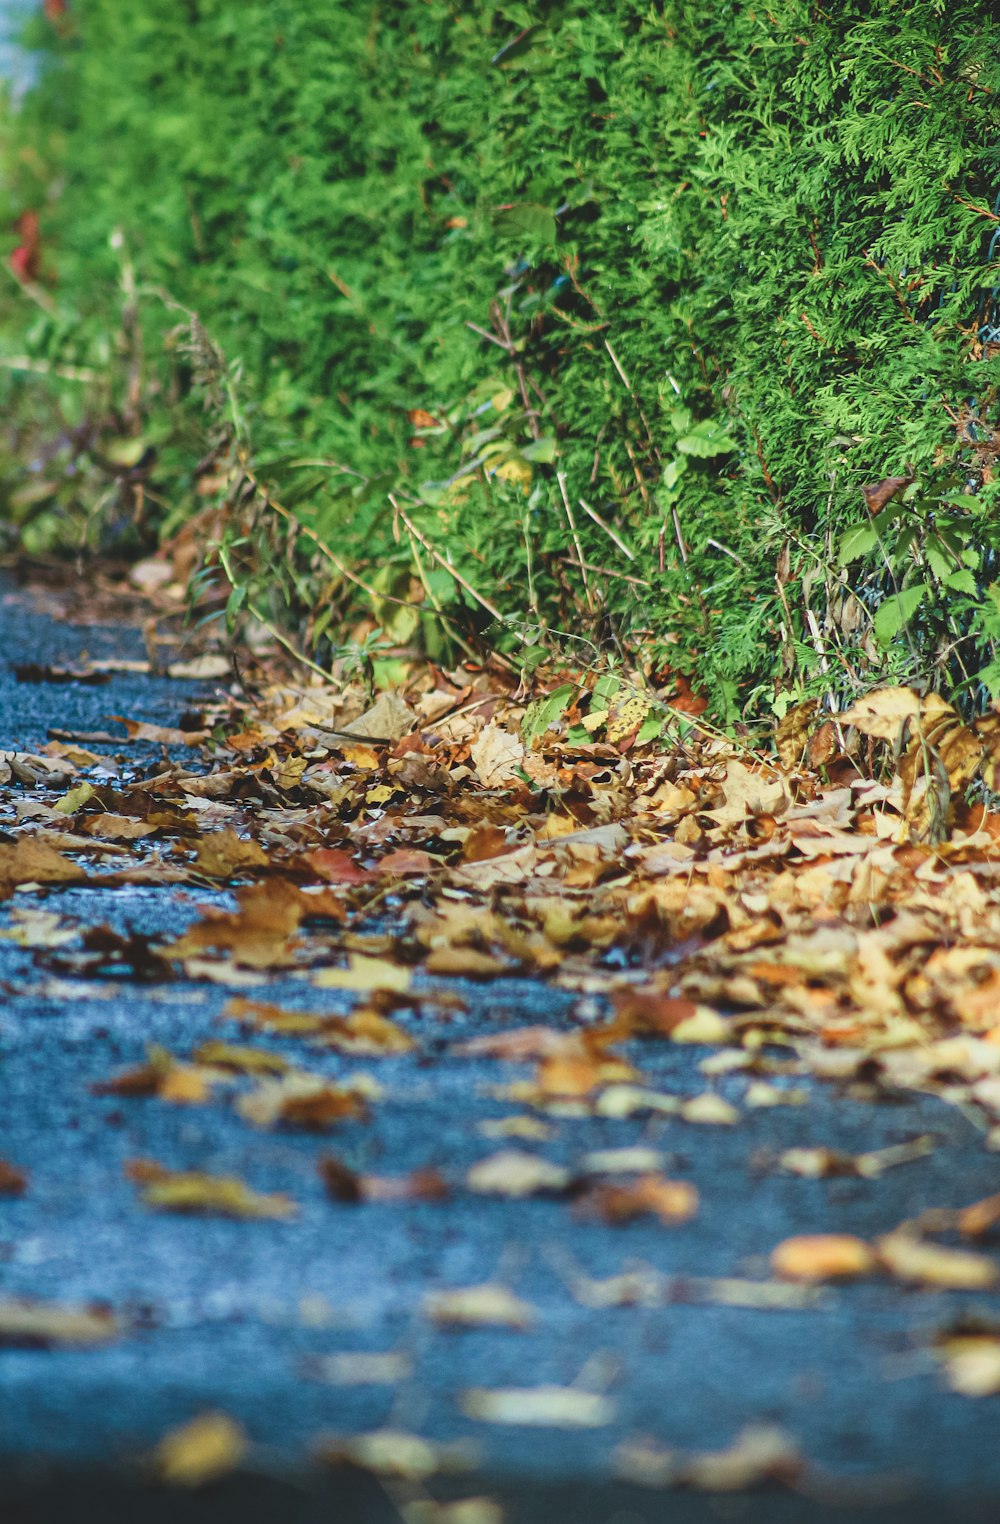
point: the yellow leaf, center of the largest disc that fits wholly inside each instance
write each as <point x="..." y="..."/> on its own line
<point x="201" y="1451"/>
<point x="823" y="1257"/>
<point x="365" y="974"/>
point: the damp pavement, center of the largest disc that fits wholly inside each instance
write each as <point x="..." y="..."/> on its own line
<point x="232" y="1315"/>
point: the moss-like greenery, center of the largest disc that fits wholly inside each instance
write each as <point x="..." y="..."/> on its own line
<point x="709" y="269"/>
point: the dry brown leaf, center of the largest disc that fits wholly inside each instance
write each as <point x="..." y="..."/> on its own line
<point x="202" y="1451"/>
<point x="672" y="1201"/>
<point x="30" y="860"/>
<point x="274" y="1018"/>
<point x="258" y="935"/>
<point x="365" y="1033"/>
<point x="168" y="1078"/>
<point x="418" y="1185"/>
<point x="223" y="854"/>
<point x="299" y="1099"/>
<point x="884" y="713"/>
<point x="389" y="719"/>
<point x="746" y="794"/>
<point x="161" y="735"/>
<point x="530" y="1129"/>
<point x="365" y="975"/>
<point x="791" y="734"/>
<point x="13" y="1181"/>
<point x="465" y="963"/>
<point x="497" y="756"/>
<point x="116" y="827"/>
<point x="823" y="1257"/>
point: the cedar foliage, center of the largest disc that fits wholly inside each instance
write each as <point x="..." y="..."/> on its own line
<point x="739" y="261"/>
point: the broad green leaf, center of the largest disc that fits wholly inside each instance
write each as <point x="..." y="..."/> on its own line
<point x="527" y="219"/>
<point x="857" y="542"/>
<point x="542" y="714"/>
<point x="706" y="439"/>
<point x="543" y="450"/>
<point x="897" y="611"/>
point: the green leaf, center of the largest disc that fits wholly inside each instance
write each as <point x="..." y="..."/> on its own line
<point x="543" y="713"/>
<point x="542" y="450"/>
<point x="857" y="542"/>
<point x="526" y="219"/>
<point x="650" y="729"/>
<point x="897" y="611"/>
<point x="234" y="603"/>
<point x="706" y="439"/>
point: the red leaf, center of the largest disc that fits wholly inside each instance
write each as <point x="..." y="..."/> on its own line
<point x="336" y="866"/>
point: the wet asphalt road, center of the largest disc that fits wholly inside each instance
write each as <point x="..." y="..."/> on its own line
<point x="228" y="1314"/>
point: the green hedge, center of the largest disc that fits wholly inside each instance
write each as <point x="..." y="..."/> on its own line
<point x="742" y="254"/>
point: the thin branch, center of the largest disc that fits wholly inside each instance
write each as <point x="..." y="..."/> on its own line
<point x="431" y="550"/>
<point x="611" y="533"/>
<point x="576" y="539"/>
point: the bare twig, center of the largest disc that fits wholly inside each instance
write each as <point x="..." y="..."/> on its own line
<point x="611" y="533"/>
<point x="432" y="551"/>
<point x="576" y="539"/>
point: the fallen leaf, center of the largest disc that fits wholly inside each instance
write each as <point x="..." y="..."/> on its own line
<point x="30" y="860"/>
<point x="550" y="1407"/>
<point x="497" y="756"/>
<point x="884" y="713"/>
<point x="486" y="1305"/>
<point x="224" y="1055"/>
<point x="364" y="974"/>
<point x="395" y="1453"/>
<point x="531" y="1129"/>
<point x="971" y="1358"/>
<point x="823" y="1257"/>
<point x="160" y="735"/>
<point x="29" y="1324"/>
<point x="709" y="1110"/>
<point x="13" y="1181"/>
<point x="389" y="719"/>
<point x="169" y="1190"/>
<point x="761" y="1453"/>
<point x="672" y="1201"/>
<point x="226" y="855"/>
<point x="516" y="1174"/>
<point x="928" y="1264"/>
<point x="747" y="793"/>
<point x="976" y="1220"/>
<point x="202" y="1451"/>
<point x="304" y="1100"/>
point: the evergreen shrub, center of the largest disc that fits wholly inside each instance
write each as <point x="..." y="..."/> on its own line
<point x="710" y="269"/>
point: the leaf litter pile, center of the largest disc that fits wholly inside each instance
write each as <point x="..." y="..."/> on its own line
<point x="825" y="910"/>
